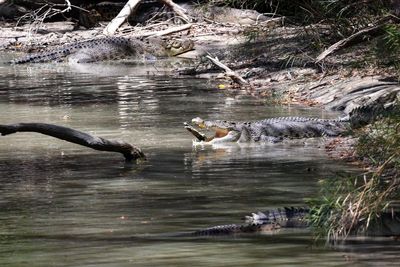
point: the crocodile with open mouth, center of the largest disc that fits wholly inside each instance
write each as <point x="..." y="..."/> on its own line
<point x="277" y="129"/>
<point x="106" y="48"/>
<point x="268" y="130"/>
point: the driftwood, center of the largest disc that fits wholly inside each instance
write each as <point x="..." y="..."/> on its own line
<point x="165" y="32"/>
<point x="129" y="151"/>
<point x="340" y="44"/>
<point x="233" y="75"/>
<point x="130" y="6"/>
<point x="121" y="17"/>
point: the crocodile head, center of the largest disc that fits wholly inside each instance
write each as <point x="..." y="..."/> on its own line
<point x="172" y="47"/>
<point x="225" y="131"/>
<point x="177" y="47"/>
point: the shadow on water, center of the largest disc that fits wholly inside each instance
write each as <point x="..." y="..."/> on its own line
<point x="66" y="205"/>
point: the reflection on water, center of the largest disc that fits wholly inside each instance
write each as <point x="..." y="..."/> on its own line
<point x="66" y="205"/>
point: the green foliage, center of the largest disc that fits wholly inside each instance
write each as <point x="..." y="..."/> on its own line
<point x="388" y="46"/>
<point x="381" y="141"/>
<point x="350" y="204"/>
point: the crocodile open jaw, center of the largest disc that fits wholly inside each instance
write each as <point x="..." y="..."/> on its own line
<point x="219" y="132"/>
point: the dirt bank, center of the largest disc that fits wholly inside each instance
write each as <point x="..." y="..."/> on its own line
<point x="276" y="59"/>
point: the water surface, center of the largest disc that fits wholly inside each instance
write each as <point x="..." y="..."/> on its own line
<point x="66" y="205"/>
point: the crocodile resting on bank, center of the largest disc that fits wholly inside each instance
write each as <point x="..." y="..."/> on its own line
<point x="277" y="129"/>
<point x="106" y="48"/>
<point x="270" y="221"/>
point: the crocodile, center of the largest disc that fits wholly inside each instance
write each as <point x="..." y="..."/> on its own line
<point x="105" y="48"/>
<point x="277" y="129"/>
<point x="268" y="221"/>
<point x="274" y="220"/>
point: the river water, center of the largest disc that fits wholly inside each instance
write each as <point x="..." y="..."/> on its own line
<point x="67" y="205"/>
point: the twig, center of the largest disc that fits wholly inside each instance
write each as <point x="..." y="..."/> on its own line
<point x="233" y="75"/>
<point x="129" y="151"/>
<point x="68" y="8"/>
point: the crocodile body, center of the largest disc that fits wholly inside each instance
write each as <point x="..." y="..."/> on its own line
<point x="277" y="129"/>
<point x="106" y="48"/>
<point x="268" y="221"/>
<point x="269" y="130"/>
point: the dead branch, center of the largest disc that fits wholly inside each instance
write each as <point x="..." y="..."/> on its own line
<point x="167" y="31"/>
<point x="122" y="16"/>
<point x="176" y="8"/>
<point x="130" y="7"/>
<point x="344" y="42"/>
<point x="233" y="75"/>
<point x="45" y="11"/>
<point x="129" y="151"/>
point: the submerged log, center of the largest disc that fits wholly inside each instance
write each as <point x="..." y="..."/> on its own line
<point x="129" y="151"/>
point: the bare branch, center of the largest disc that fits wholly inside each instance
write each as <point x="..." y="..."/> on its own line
<point x="129" y="151"/>
<point x="168" y="31"/>
<point x="176" y="8"/>
<point x="233" y="75"/>
<point x="122" y="16"/>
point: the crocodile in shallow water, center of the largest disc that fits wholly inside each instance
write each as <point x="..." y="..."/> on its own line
<point x="106" y="48"/>
<point x="277" y="129"/>
<point x="270" y="221"/>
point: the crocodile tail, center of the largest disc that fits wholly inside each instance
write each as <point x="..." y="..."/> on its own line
<point x="54" y="55"/>
<point x="379" y="109"/>
<point x="227" y="229"/>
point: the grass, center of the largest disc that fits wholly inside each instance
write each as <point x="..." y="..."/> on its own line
<point x="351" y="204"/>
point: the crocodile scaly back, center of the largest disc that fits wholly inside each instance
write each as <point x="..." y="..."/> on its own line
<point x="86" y="51"/>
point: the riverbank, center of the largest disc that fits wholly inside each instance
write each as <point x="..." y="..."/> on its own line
<point x="277" y="60"/>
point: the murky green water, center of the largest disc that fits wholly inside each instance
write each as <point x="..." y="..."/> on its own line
<point x="66" y="205"/>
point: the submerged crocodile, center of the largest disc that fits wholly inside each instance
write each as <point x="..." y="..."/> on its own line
<point x="106" y="48"/>
<point x="276" y="129"/>
<point x="270" y="221"/>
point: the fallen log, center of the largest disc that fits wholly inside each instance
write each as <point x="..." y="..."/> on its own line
<point x="129" y="151"/>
